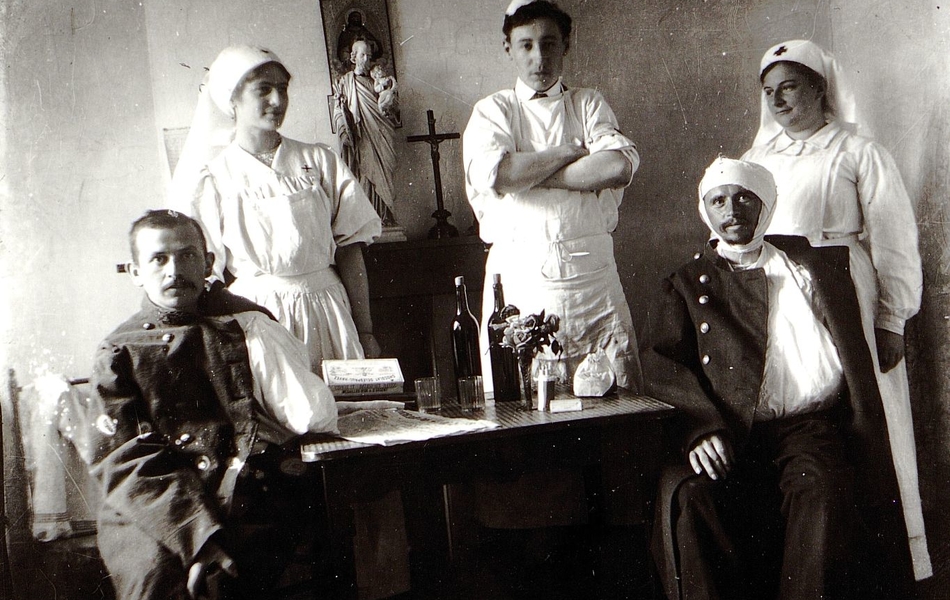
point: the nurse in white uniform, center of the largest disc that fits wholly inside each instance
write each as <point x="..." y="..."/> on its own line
<point x="838" y="188"/>
<point x="285" y="218"/>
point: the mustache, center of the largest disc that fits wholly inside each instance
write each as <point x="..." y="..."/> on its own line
<point x="732" y="222"/>
<point x="180" y="284"/>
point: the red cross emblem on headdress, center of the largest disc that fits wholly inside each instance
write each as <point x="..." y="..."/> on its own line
<point x="781" y="50"/>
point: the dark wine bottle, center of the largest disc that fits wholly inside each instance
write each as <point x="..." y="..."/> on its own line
<point x="465" y="335"/>
<point x="504" y="363"/>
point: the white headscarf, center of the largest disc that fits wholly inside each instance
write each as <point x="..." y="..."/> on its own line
<point x="227" y="71"/>
<point x="839" y="97"/>
<point x="212" y="127"/>
<point x="753" y="177"/>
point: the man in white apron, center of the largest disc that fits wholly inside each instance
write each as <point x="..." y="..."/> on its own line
<point x="545" y="168"/>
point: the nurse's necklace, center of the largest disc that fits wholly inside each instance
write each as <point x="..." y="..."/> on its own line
<point x="267" y="157"/>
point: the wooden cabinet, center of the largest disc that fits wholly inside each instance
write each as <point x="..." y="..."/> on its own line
<point x="412" y="299"/>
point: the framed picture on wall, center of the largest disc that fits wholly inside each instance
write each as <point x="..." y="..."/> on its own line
<point x="346" y="20"/>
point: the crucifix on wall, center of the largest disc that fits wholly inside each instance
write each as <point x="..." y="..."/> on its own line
<point x="442" y="227"/>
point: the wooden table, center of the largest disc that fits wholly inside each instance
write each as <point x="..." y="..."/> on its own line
<point x="352" y="472"/>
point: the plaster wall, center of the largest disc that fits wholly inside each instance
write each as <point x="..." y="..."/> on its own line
<point x="79" y="162"/>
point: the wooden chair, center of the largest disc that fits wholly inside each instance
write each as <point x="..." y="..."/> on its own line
<point x="67" y="565"/>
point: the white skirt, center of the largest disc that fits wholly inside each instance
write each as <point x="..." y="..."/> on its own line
<point x="895" y="394"/>
<point x="314" y="307"/>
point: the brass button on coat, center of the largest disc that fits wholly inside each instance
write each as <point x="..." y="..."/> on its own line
<point x="203" y="463"/>
<point x="167" y="337"/>
<point x="706" y="359"/>
<point x="704" y="299"/>
<point x="704" y="327"/>
<point x="704" y="278"/>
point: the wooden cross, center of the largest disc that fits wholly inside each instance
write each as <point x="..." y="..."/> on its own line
<point x="442" y="228"/>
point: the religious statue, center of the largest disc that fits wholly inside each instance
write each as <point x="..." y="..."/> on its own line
<point x="366" y="111"/>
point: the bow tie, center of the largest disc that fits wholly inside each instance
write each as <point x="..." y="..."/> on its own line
<point x="538" y="95"/>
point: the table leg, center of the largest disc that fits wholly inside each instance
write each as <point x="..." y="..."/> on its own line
<point x="428" y="535"/>
<point x="629" y="467"/>
<point x="340" y="530"/>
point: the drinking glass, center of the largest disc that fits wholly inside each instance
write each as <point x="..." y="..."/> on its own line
<point x="428" y="394"/>
<point x="471" y="393"/>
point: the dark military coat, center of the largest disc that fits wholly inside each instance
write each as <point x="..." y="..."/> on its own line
<point x="704" y="352"/>
<point x="178" y="392"/>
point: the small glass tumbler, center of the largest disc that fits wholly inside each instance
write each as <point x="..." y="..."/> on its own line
<point x="471" y="393"/>
<point x="428" y="394"/>
<point x="545" y="391"/>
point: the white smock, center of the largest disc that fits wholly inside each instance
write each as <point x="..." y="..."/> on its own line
<point x="276" y="229"/>
<point x="553" y="248"/>
<point x="554" y="251"/>
<point x="838" y="188"/>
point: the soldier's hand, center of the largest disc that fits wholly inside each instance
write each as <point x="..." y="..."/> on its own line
<point x="210" y="558"/>
<point x="712" y="455"/>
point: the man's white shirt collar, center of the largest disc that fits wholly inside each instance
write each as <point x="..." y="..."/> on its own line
<point x="524" y="92"/>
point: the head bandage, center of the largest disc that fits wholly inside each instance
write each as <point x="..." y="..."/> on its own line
<point x="751" y="176"/>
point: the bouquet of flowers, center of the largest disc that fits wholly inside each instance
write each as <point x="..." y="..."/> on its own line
<point x="528" y="335"/>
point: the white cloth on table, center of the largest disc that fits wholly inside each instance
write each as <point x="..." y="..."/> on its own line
<point x="838" y="188"/>
<point x="552" y="247"/>
<point x="276" y="229"/>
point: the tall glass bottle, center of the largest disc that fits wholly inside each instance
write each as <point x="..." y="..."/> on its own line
<point x="465" y="335"/>
<point x="504" y="363"/>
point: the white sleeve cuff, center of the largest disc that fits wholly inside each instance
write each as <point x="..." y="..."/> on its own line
<point x="891" y="323"/>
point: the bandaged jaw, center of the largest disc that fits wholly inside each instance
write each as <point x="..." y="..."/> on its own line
<point x="753" y="177"/>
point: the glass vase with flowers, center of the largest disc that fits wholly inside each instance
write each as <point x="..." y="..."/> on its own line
<point x="527" y="336"/>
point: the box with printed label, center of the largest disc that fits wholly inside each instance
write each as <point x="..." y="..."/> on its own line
<point x="362" y="377"/>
